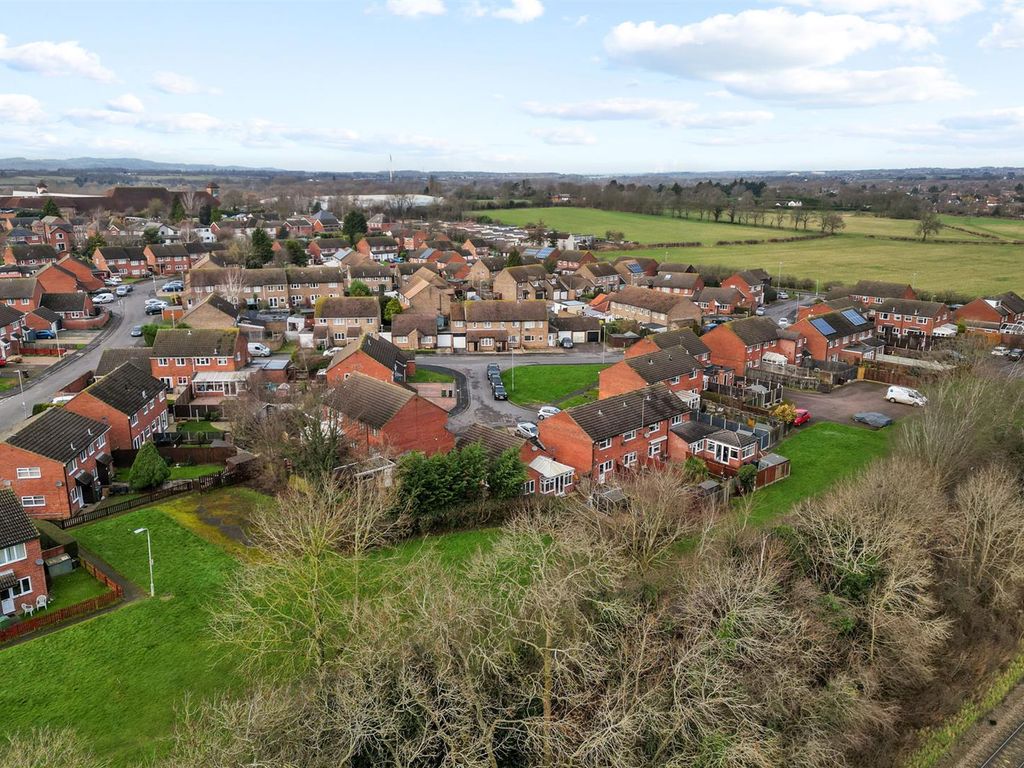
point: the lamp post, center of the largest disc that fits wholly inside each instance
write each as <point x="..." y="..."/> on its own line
<point x="21" y="387"/>
<point x="149" y="550"/>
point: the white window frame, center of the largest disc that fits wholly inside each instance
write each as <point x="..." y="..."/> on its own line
<point x="33" y="501"/>
<point x="13" y="554"/>
<point x="29" y="473"/>
<point x="603" y="445"/>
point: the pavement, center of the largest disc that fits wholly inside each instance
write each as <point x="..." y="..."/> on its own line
<point x="840" y="404"/>
<point x="42" y="386"/>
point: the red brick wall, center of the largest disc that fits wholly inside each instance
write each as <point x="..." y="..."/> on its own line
<point x="567" y="442"/>
<point x="726" y="348"/>
<point x="122" y="432"/>
<point x="28" y="567"/>
<point x="816" y="344"/>
<point x="86" y="323"/>
<point x="360" y="362"/>
<point x="617" y="379"/>
<point x="57" y="281"/>
<point x="58" y="505"/>
<point x="419" y="426"/>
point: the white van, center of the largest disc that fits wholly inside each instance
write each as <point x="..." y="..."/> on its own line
<point x="905" y="395"/>
<point x="259" y="350"/>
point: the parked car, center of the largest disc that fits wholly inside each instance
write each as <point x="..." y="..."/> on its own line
<point x="172" y="287"/>
<point x="112" y="281"/>
<point x="121" y="290"/>
<point x="46" y="334"/>
<point x="1000" y="351"/>
<point x="259" y="350"/>
<point x="156" y="303"/>
<point x="1015" y="355"/>
<point x="783" y="322"/>
<point x="103" y="298"/>
<point x="905" y="395"/>
<point x="873" y="419"/>
<point x="760" y="311"/>
<point x="495" y="379"/>
<point x="154" y="309"/>
<point x="493" y="370"/>
<point x="128" y="287"/>
<point x="547" y="411"/>
<point x="783" y="294"/>
<point x="499" y="392"/>
<point x="135" y="332"/>
<point x="566" y="343"/>
<point x="526" y="429"/>
<point x="802" y="417"/>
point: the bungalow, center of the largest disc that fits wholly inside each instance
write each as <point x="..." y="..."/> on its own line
<point x="127" y="261"/>
<point x="619" y="433"/>
<point x="130" y="400"/>
<point x="544" y="475"/>
<point x="379" y="248"/>
<point x="22" y="575"/>
<point x="682" y="373"/>
<point x="379" y="417"/>
<point x="652" y="308"/>
<point x="992" y="314"/>
<point x="744" y="343"/>
<point x="374" y="357"/>
<point x="346" y="318"/>
<point x="838" y="335"/>
<point x="749" y="285"/>
<point x="56" y="463"/>
<point x="180" y="356"/>
<point x="601" y="275"/>
<point x="498" y="325"/>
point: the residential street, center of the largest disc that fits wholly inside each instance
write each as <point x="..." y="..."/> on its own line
<point x="44" y="385"/>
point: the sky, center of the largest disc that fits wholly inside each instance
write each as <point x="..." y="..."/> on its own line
<point x="518" y="85"/>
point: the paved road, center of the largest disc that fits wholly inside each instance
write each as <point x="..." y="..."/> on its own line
<point x="45" y="384"/>
<point x="482" y="406"/>
<point x="788" y="308"/>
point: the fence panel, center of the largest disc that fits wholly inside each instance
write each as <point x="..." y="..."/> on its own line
<point x="91" y="605"/>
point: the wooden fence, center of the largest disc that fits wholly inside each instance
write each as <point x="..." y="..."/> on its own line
<point x="83" y="608"/>
<point x="179" y="454"/>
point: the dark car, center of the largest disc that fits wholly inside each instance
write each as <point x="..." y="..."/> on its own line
<point x="873" y="419"/>
<point x="493" y="370"/>
<point x="1015" y="354"/>
<point x="500" y="393"/>
<point x="136" y="331"/>
<point x="495" y="379"/>
<point x="154" y="310"/>
<point x="46" y="335"/>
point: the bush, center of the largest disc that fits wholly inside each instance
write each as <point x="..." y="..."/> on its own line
<point x="746" y="477"/>
<point x="149" y="469"/>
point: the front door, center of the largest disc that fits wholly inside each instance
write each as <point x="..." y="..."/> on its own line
<point x="6" y="601"/>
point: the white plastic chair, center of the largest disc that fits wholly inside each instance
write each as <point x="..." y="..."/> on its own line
<point x="27" y="609"/>
<point x="42" y="601"/>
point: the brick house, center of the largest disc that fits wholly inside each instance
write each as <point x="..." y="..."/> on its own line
<point x="69" y="306"/>
<point x="868" y="292"/>
<point x="377" y="277"/>
<point x="12" y="322"/>
<point x="324" y="221"/>
<point x="130" y="401"/>
<point x="498" y="325"/>
<point x="113" y="358"/>
<point x="272" y="287"/>
<point x="128" y="261"/>
<point x="570" y="261"/>
<point x="55" y="232"/>
<point x="601" y="275"/>
<point x="908" y="318"/>
<point x="991" y="314"/>
<point x="682" y="337"/>
<point x="168" y="259"/>
<point x="477" y="247"/>
<point x="544" y="475"/>
<point x="824" y="307"/>
<point x="481" y="274"/>
<point x="838" y="336"/>
<point x="374" y="357"/>
<point x="681" y="372"/>
<point x="652" y="308"/>
<point x="30" y="255"/>
<point x="411" y="331"/>
<point x="214" y="311"/>
<point x="82" y="273"/>
<point x="22" y="575"/>
<point x="617" y="434"/>
<point x="723" y="451"/>
<point x="719" y="301"/>
<point x="749" y="285"/>
<point x="56" y="463"/>
<point x="633" y="271"/>
<point x="22" y="293"/>
<point x="379" y="248"/>
<point x="682" y="283"/>
<point x="379" y="417"/>
<point x="346" y="318"/>
<point x="427" y="292"/>
<point x="179" y="355"/>
<point x="307" y="285"/>
<point x="744" y="343"/>
<point x="530" y="281"/>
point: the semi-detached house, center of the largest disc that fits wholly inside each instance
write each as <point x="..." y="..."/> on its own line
<point x="207" y="360"/>
<point x="908" y="318"/>
<point x="22" y="577"/>
<point x="344" y="318"/>
<point x="499" y="325"/>
<point x="124" y="261"/>
<point x="681" y="372"/>
<point x="652" y="308"/>
<point x="131" y="401"/>
<point x="744" y="343"/>
<point x="272" y="287"/>
<point x="839" y="335"/>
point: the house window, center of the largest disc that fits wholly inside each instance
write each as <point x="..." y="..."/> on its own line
<point x="83" y="456"/>
<point x="22" y="587"/>
<point x="12" y="554"/>
<point x="488" y="342"/>
<point x="677" y="420"/>
<point x="369" y="321"/>
<point x="202" y="361"/>
<point x="606" y="467"/>
<point x="629" y="459"/>
<point x="654" y="450"/>
<point x="179" y="361"/>
<point x="604" y="444"/>
<point x="33" y="501"/>
<point x="182" y="381"/>
<point x="222" y="361"/>
<point x="674" y="380"/>
<point x="922" y="321"/>
<point x="529" y="487"/>
<point x="134" y="419"/>
<point x="161" y="361"/>
<point x="26" y="473"/>
<point x="631" y="435"/>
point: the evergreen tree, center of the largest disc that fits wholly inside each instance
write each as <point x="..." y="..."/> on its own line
<point x="206" y="214"/>
<point x="471" y="467"/>
<point x="507" y="475"/>
<point x="317" y="207"/>
<point x="296" y="253"/>
<point x="94" y="242"/>
<point x="177" y="210"/>
<point x="50" y="208"/>
<point x="151" y="236"/>
<point x="354" y="226"/>
<point x="359" y="288"/>
<point x="515" y="259"/>
<point x="392" y="308"/>
<point x="149" y="469"/>
<point x="262" y="248"/>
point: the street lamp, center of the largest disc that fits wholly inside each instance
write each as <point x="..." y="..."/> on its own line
<point x="21" y="386"/>
<point x="149" y="549"/>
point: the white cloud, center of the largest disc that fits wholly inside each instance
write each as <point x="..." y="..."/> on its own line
<point x="1008" y="32"/>
<point x="918" y="11"/>
<point x="581" y="21"/>
<point x="50" y="58"/>
<point x="415" y="8"/>
<point x="179" y="85"/>
<point x="677" y="114"/>
<point x="780" y="55"/>
<point x="174" y="122"/>
<point x="565" y="137"/>
<point x="126" y="103"/>
<point x="519" y="11"/>
<point x="1010" y="117"/>
<point x="19" y="108"/>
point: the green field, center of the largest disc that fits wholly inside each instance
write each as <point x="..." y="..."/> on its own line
<point x="635" y="226"/>
<point x="1009" y="229"/>
<point x="548" y="384"/>
<point x="865" y="224"/>
<point x="819" y="455"/>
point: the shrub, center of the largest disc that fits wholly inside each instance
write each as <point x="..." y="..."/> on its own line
<point x="746" y="477"/>
<point x="149" y="469"/>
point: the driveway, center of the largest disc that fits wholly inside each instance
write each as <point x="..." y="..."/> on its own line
<point x="471" y="380"/>
<point x="842" y="403"/>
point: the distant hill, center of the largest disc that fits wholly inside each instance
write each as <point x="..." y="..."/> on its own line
<point x="112" y="163"/>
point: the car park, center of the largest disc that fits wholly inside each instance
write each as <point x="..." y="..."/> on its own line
<point x="905" y="395"/>
<point x="258" y="350"/>
<point x="136" y="331"/>
<point x="802" y="417"/>
<point x="499" y="392"/>
<point x="526" y="429"/>
<point x="103" y="298"/>
<point x="873" y="419"/>
<point x="547" y="411"/>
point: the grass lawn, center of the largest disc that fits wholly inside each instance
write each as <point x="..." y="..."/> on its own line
<point x="194" y="471"/>
<point x="423" y="376"/>
<point x="866" y="224"/>
<point x="7" y="383"/>
<point x="819" y="455"/>
<point x="73" y="588"/>
<point x="571" y="402"/>
<point x="1010" y="229"/>
<point x="640" y="227"/>
<point x="543" y="384"/>
<point x="196" y="426"/>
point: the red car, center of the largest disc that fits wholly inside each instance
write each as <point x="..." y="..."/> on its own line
<point x="802" y="417"/>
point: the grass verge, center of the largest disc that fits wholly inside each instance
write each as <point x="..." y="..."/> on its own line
<point x="423" y="376"/>
<point x="541" y="384"/>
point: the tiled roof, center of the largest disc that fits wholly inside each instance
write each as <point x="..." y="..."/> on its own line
<point x="122" y="253"/>
<point x="681" y="280"/>
<point x="684" y="338"/>
<point x="32" y="252"/>
<point x="63" y="302"/>
<point x="381" y="242"/>
<point x="600" y="269"/>
<point x="1011" y="301"/>
<point x="674" y="266"/>
<point x="403" y="324"/>
<point x="168" y="251"/>
<point x="17" y="287"/>
<point x="753" y="330"/>
<point x="381" y="350"/>
<point x="57" y="434"/>
<point x="879" y="288"/>
<point x="500" y="310"/>
<point x="300" y="275"/>
<point x="910" y="307"/>
<point x="719" y="295"/>
<point x="369" y="271"/>
<point x="734" y="439"/>
<point x="126" y="389"/>
<point x="15" y="527"/>
<point x="331" y="243"/>
<point x="194" y="342"/>
<point x="836" y="325"/>
<point x="348" y="306"/>
<point x="527" y="273"/>
<point x="113" y="358"/>
<point x="692" y="431"/>
<point x="494" y="441"/>
<point x="664" y="364"/>
<point x="645" y="298"/>
<point x="576" y="323"/>
<point x="47" y="314"/>
<point x="9" y="315"/>
<point x="633" y="410"/>
<point x="369" y="400"/>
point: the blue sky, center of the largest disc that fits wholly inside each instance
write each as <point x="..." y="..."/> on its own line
<point x="519" y="85"/>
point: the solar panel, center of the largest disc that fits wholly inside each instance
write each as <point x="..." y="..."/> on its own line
<point x="822" y="326"/>
<point x="636" y="269"/>
<point x="854" y="317"/>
